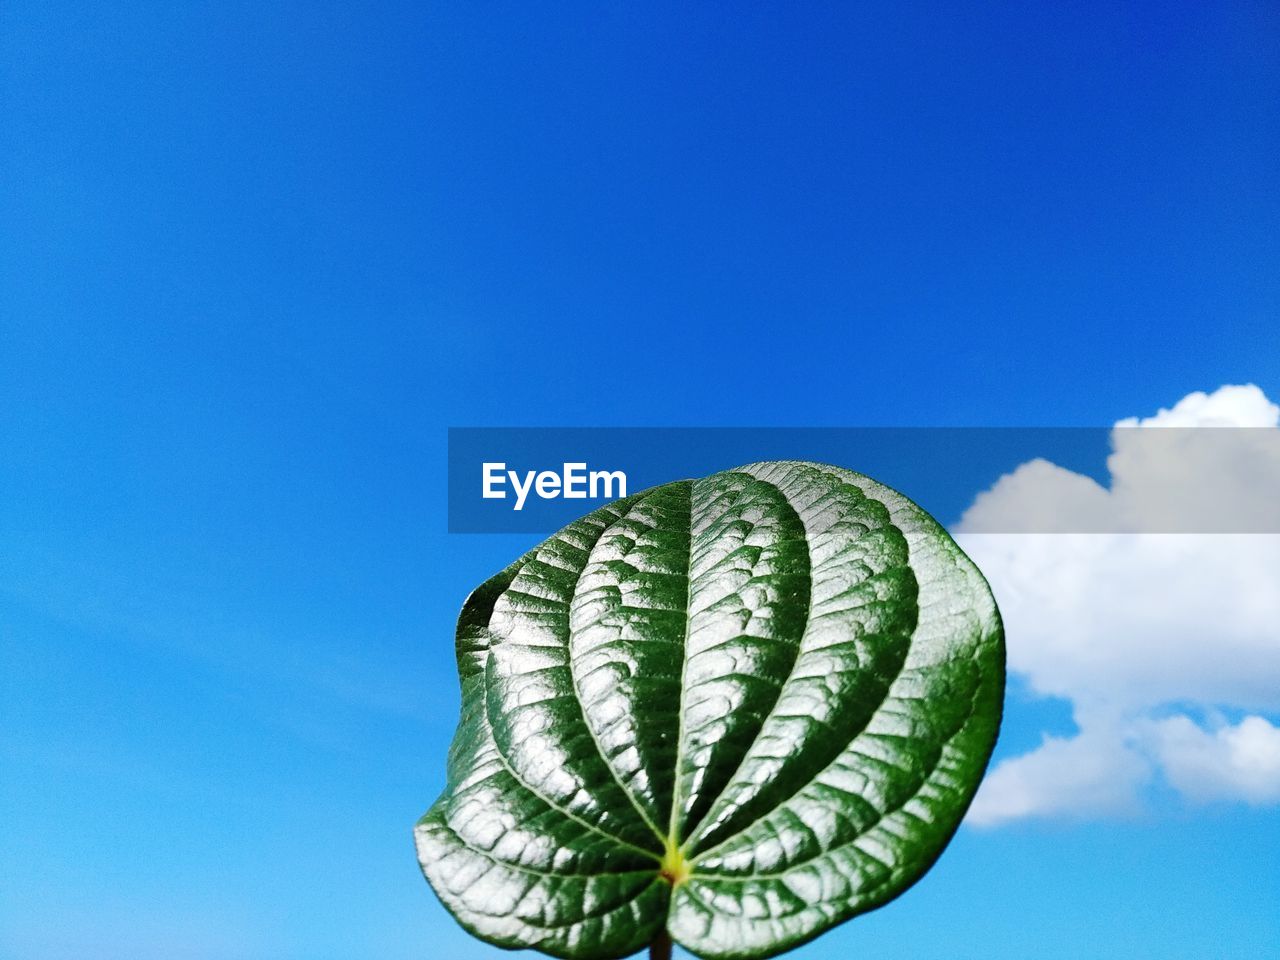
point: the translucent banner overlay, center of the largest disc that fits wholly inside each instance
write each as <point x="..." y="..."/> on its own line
<point x="973" y="479"/>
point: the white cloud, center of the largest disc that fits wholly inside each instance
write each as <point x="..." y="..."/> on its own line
<point x="1140" y="630"/>
<point x="1230" y="406"/>
<point x="1232" y="762"/>
<point x="1168" y="474"/>
<point x="1096" y="773"/>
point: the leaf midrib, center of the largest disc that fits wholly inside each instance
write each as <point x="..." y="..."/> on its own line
<point x="586" y="722"/>
<point x="672" y="840"/>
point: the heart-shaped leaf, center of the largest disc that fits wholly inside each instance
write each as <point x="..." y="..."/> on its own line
<point x="730" y="712"/>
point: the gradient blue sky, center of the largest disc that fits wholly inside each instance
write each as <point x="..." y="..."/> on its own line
<point x="255" y="258"/>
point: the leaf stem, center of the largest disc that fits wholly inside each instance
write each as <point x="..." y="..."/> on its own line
<point x="660" y="949"/>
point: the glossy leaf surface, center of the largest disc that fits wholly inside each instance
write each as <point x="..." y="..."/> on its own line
<point x="743" y="709"/>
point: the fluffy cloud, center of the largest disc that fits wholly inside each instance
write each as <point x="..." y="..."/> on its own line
<point x="1095" y="773"/>
<point x="1150" y="635"/>
<point x="1241" y="761"/>
<point x="1169" y="474"/>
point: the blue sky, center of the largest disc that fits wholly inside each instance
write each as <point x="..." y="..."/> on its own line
<point x="255" y="259"/>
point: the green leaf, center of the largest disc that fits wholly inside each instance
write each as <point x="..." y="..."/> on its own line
<point x="736" y="711"/>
